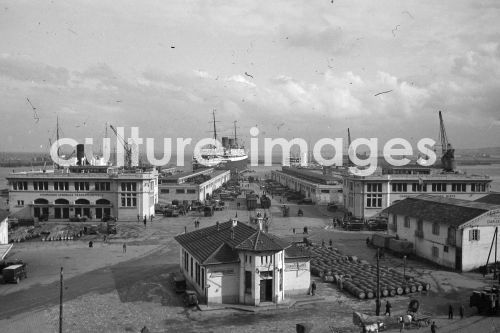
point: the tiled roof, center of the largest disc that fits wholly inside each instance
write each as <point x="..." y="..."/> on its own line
<point x="261" y="241"/>
<point x="295" y="251"/>
<point x="440" y="209"/>
<point x="217" y="244"/>
<point x="492" y="198"/>
<point x="3" y="214"/>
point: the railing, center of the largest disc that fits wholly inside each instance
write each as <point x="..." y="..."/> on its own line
<point x="419" y="233"/>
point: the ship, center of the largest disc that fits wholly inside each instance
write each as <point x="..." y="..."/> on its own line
<point x="230" y="155"/>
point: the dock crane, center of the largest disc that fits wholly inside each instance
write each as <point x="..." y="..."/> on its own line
<point x="447" y="151"/>
<point x="349" y="161"/>
<point x="126" y="146"/>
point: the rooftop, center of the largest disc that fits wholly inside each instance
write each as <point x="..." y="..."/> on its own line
<point x="441" y="210"/>
<point x="82" y="172"/>
<point x="221" y="243"/>
<point x="194" y="177"/>
<point x="312" y="175"/>
<point x="491" y="198"/>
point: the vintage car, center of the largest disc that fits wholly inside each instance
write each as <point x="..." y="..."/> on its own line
<point x="14" y="273"/>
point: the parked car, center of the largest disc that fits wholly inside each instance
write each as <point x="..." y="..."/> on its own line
<point x="14" y="273"/>
<point x="354" y="224"/>
<point x="179" y="282"/>
<point x="78" y="219"/>
<point x="7" y="263"/>
<point x="190" y="298"/>
<point x="108" y="218"/>
<point x="306" y="201"/>
<point x="377" y="224"/>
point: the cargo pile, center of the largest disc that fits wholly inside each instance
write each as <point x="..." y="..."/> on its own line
<point x="359" y="278"/>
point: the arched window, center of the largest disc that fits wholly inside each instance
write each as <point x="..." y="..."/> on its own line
<point x="41" y="201"/>
<point x="102" y="202"/>
<point x="61" y="202"/>
<point x="82" y="202"/>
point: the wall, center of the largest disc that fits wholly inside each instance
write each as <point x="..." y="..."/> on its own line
<point x="4" y="232"/>
<point x="475" y="253"/>
<point x="297" y="277"/>
<point x="223" y="283"/>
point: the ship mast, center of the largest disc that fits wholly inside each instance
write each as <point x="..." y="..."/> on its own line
<point x="215" y="129"/>
<point x="235" y="137"/>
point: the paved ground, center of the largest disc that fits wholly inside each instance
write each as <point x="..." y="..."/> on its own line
<point x="106" y="290"/>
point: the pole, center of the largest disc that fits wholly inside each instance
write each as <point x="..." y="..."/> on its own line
<point x="377" y="307"/>
<point x="61" y="302"/>
<point x="496" y="242"/>
<point x="404" y="271"/>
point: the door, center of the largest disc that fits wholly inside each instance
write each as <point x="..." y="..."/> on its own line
<point x="86" y="212"/>
<point x="36" y="212"/>
<point x="78" y="211"/>
<point x="263" y="290"/>
<point x="45" y="211"/>
<point x="57" y="213"/>
<point x="269" y="290"/>
<point x="98" y="213"/>
<point x="107" y="211"/>
<point x="458" y="259"/>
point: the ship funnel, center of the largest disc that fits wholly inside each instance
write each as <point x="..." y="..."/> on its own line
<point x="80" y="154"/>
<point x="231" y="142"/>
<point x="225" y="142"/>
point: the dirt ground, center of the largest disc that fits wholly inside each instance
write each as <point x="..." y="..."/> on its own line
<point x="107" y="290"/>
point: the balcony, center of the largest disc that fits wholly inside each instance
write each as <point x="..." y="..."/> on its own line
<point x="419" y="233"/>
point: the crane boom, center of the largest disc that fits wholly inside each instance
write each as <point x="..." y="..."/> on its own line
<point x="126" y="146"/>
<point x="448" y="152"/>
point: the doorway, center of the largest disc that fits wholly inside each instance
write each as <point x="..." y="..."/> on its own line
<point x="266" y="290"/>
<point x="57" y="213"/>
<point x="458" y="259"/>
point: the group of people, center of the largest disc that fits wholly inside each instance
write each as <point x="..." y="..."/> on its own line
<point x="145" y="219"/>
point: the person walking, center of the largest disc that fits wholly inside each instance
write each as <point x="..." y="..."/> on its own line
<point x="388" y="307"/>
<point x="124" y="247"/>
<point x="433" y="327"/>
<point x="450" y="312"/>
<point x="313" y="288"/>
<point x="462" y="310"/>
<point x="151" y="218"/>
<point x="138" y="218"/>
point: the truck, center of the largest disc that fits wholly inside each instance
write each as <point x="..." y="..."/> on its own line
<point x="14" y="273"/>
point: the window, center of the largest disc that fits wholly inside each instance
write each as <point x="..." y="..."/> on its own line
<point x="129" y="199"/>
<point x="438" y="187"/>
<point x="445" y="248"/>
<point x="420" y="225"/>
<point x="374" y="200"/>
<point x="191" y="191"/>
<point x="20" y="202"/>
<point x="458" y="187"/>
<point x="186" y="260"/>
<point x="61" y="186"/>
<point x="407" y="221"/>
<point x="325" y="191"/>
<point x="250" y="258"/>
<point x="374" y="187"/>
<point x="20" y="186"/>
<point x="435" y="252"/>
<point x="129" y="187"/>
<point x="179" y="191"/>
<point x="478" y="187"/>
<point x="248" y="282"/>
<point x="191" y="267"/>
<point x="82" y="186"/>
<point x="41" y="186"/>
<point x="203" y="278"/>
<point x="197" y="273"/>
<point x="103" y="186"/>
<point x="419" y="187"/>
<point x="261" y="260"/>
<point x="435" y="229"/>
<point x="399" y="187"/>
<point x="164" y="190"/>
<point x="474" y="235"/>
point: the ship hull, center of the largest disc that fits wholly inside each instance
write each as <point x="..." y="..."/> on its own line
<point x="234" y="165"/>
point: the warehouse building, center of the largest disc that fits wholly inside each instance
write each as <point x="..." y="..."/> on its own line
<point x="90" y="191"/>
<point x="191" y="186"/>
<point x="232" y="262"/>
<point x="367" y="196"/>
<point x="312" y="183"/>
<point x="451" y="232"/>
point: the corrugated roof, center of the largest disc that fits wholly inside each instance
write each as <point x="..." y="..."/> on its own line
<point x="3" y="214"/>
<point x="492" y="198"/>
<point x="220" y="244"/>
<point x="440" y="209"/>
<point x="295" y="251"/>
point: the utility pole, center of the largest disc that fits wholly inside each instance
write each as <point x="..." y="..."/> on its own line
<point x="61" y="302"/>
<point x="404" y="271"/>
<point x="377" y="305"/>
<point x="496" y="242"/>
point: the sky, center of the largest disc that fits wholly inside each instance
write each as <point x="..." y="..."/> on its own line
<point x="308" y="69"/>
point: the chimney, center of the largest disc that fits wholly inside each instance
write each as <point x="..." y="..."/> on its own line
<point x="260" y="221"/>
<point x="217" y="224"/>
<point x="235" y="222"/>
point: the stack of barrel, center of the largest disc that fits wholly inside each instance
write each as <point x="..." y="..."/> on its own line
<point x="359" y="278"/>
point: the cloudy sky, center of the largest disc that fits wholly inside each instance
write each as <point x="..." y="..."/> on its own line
<point x="307" y="69"/>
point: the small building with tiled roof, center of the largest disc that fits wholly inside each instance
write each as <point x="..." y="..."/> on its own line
<point x="491" y="198"/>
<point x="451" y="232"/>
<point x="236" y="263"/>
